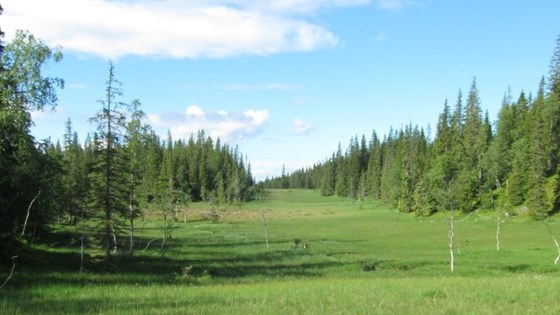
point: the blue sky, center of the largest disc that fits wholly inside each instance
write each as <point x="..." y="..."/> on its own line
<point x="286" y="80"/>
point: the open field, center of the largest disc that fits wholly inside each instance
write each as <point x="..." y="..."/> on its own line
<point x="326" y="255"/>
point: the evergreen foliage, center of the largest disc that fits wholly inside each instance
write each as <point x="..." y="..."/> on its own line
<point x="470" y="164"/>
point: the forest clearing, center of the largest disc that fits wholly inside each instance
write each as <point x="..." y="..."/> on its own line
<point x="205" y="184"/>
<point x="325" y="255"/>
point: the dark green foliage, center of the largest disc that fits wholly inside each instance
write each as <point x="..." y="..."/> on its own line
<point x="467" y="166"/>
<point x="26" y="168"/>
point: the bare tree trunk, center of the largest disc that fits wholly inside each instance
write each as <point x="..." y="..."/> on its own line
<point x="555" y="242"/>
<point x="33" y="234"/>
<point x="131" y="241"/>
<point x="144" y="219"/>
<point x="264" y="224"/>
<point x="166" y="234"/>
<point x="28" y="211"/>
<point x="451" y="235"/>
<point x="148" y="245"/>
<point x="114" y="236"/>
<point x="498" y="230"/>
<point x="82" y="253"/>
<point x="174" y="210"/>
<point x="223" y="213"/>
<point x="11" y="273"/>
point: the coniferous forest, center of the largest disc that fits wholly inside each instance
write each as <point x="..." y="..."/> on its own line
<point x="470" y="163"/>
<point x="460" y="216"/>
<point x="98" y="184"/>
<point x="101" y="183"/>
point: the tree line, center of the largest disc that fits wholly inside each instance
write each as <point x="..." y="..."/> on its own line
<point x="470" y="163"/>
<point x="98" y="185"/>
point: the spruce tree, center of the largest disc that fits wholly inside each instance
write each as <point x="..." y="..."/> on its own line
<point x="374" y="168"/>
<point x="554" y="70"/>
<point x="109" y="197"/>
<point x="135" y="148"/>
<point x="517" y="180"/>
<point x="536" y="194"/>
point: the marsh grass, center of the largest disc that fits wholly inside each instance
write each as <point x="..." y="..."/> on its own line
<point x="357" y="259"/>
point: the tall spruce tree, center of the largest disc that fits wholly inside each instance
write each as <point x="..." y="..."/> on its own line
<point x="375" y="164"/>
<point x="109" y="197"/>
<point x="537" y="200"/>
<point x="135" y="148"/>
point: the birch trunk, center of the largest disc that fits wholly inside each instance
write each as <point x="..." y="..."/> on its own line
<point x="264" y="224"/>
<point x="555" y="242"/>
<point x="498" y="231"/>
<point x="451" y="236"/>
<point x="11" y="273"/>
<point x="28" y="211"/>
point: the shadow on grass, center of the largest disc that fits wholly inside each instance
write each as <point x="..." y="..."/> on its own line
<point x="47" y="265"/>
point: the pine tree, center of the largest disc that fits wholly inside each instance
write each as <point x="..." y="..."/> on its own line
<point x="536" y="195"/>
<point x="353" y="168"/>
<point x="517" y="180"/>
<point x="392" y="169"/>
<point x="135" y="147"/>
<point x="109" y="196"/>
<point x="75" y="176"/>
<point x="329" y="177"/>
<point x="474" y="146"/>
<point x="341" y="178"/>
<point x="554" y="71"/>
<point x="375" y="164"/>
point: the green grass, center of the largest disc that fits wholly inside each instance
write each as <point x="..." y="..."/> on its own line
<point x="359" y="259"/>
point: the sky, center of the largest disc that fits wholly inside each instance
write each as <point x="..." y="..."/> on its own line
<point x="286" y="81"/>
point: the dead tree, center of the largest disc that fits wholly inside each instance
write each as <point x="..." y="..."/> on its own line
<point x="264" y="224"/>
<point x="28" y="211"/>
<point x="11" y="273"/>
<point x="451" y="237"/>
<point x="555" y="242"/>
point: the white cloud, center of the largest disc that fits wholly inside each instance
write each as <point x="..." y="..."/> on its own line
<point x="301" y="127"/>
<point x="173" y="28"/>
<point x="258" y="116"/>
<point x="194" y="110"/>
<point x="233" y="127"/>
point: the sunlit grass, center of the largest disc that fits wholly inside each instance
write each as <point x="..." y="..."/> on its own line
<point x="357" y="258"/>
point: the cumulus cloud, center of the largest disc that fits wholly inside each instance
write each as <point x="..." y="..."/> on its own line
<point x="233" y="127"/>
<point x="301" y="127"/>
<point x="173" y="28"/>
<point x="194" y="110"/>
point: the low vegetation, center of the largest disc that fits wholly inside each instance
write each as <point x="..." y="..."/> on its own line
<point x="325" y="255"/>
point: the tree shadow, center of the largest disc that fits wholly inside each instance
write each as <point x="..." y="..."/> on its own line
<point x="59" y="263"/>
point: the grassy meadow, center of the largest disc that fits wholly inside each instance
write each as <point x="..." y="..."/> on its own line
<point x="326" y="255"/>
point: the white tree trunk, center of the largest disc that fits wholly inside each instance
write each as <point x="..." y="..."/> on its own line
<point x="555" y="242"/>
<point x="11" y="273"/>
<point x="28" y="211"/>
<point x="498" y="231"/>
<point x="264" y="224"/>
<point x="451" y="235"/>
